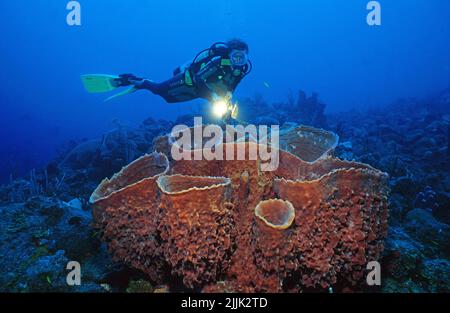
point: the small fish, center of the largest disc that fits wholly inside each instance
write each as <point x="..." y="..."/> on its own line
<point x="266" y="84"/>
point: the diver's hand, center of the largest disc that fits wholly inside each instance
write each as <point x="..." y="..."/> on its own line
<point x="227" y="97"/>
<point x="214" y="97"/>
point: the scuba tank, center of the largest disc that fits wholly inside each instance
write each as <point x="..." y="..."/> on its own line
<point x="217" y="49"/>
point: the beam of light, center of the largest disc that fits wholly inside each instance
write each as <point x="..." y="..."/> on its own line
<point x="220" y="108"/>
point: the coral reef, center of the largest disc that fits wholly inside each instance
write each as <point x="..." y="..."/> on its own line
<point x="301" y="110"/>
<point x="319" y="220"/>
<point x="308" y="110"/>
<point x="140" y="286"/>
<point x="39" y="237"/>
<point x="117" y="148"/>
<point x="408" y="139"/>
<point x="46" y="219"/>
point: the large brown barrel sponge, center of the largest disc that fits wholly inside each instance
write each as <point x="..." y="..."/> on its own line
<point x="130" y="195"/>
<point x="195" y="226"/>
<point x="199" y="222"/>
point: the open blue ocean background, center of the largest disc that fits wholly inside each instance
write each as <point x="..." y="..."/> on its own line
<point x="324" y="46"/>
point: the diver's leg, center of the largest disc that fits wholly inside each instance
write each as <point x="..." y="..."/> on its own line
<point x="172" y="90"/>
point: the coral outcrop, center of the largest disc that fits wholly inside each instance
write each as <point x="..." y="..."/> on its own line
<point x="314" y="222"/>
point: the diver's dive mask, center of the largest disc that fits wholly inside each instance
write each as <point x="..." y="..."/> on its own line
<point x="238" y="58"/>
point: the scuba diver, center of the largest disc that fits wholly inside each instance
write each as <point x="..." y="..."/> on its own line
<point x="213" y="75"/>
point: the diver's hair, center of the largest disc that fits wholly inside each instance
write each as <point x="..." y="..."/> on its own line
<point x="237" y="44"/>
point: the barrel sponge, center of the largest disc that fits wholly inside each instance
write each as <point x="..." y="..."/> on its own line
<point x="314" y="222"/>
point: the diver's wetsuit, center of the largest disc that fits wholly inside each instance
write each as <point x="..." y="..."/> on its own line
<point x="210" y="73"/>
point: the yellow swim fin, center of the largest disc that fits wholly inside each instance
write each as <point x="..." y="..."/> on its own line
<point x="123" y="93"/>
<point x="98" y="83"/>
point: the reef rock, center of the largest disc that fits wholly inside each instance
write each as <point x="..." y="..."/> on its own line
<point x="314" y="222"/>
<point x="424" y="227"/>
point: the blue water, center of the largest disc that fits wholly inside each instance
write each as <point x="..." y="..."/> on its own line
<point x="322" y="45"/>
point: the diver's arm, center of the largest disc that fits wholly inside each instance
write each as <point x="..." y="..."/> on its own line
<point x="238" y="78"/>
<point x="233" y="86"/>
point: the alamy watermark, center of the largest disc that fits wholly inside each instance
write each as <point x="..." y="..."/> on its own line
<point x="374" y="276"/>
<point x="374" y="16"/>
<point x="206" y="142"/>
<point x="73" y="18"/>
<point x="73" y="278"/>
